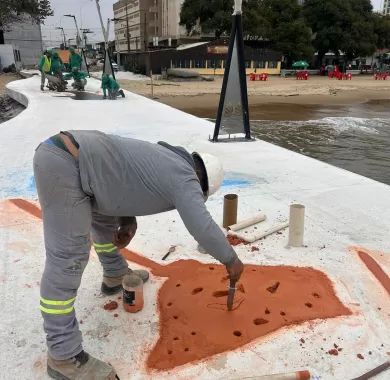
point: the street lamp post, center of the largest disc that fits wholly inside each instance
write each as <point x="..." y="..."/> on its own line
<point x="78" y="39"/>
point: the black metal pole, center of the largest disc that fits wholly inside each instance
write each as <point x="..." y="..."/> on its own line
<point x="225" y="80"/>
<point x="242" y="72"/>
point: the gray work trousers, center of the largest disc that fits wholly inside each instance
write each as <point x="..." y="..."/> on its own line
<point x="68" y="223"/>
<point x="43" y="79"/>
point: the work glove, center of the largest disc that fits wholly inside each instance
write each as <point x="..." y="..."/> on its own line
<point x="235" y="269"/>
<point x="124" y="235"/>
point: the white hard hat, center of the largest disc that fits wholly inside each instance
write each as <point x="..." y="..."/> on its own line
<point x="214" y="172"/>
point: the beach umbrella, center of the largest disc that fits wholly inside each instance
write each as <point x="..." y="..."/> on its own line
<point x="300" y="65"/>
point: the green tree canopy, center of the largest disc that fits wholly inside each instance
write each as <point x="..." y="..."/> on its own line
<point x="382" y="30"/>
<point x="279" y="21"/>
<point x="341" y="25"/>
<point x="13" y="10"/>
<point x="287" y="30"/>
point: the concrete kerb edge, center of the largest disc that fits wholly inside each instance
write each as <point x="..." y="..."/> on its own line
<point x="17" y="96"/>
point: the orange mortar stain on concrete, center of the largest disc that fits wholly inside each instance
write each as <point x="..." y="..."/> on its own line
<point x="28" y="207"/>
<point x="194" y="321"/>
<point x="366" y="256"/>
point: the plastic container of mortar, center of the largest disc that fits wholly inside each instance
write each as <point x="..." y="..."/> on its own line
<point x="133" y="293"/>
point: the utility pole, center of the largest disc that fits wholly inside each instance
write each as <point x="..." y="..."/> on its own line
<point x="127" y="31"/>
<point x="63" y="34"/>
<point x="105" y="36"/>
<point x="85" y="32"/>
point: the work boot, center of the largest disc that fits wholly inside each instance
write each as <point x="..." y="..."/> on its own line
<point x="122" y="93"/>
<point x="113" y="285"/>
<point x="80" y="367"/>
<point x="42" y="89"/>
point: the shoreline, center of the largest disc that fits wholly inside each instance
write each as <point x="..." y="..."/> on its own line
<point x="277" y="99"/>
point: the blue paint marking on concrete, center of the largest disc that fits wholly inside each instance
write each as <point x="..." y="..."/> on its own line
<point x="31" y="186"/>
<point x="235" y="182"/>
<point x="19" y="185"/>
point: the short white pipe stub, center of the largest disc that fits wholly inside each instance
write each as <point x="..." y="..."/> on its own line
<point x="297" y="225"/>
<point x="237" y="7"/>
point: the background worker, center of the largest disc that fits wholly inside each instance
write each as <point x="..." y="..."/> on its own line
<point x="44" y="67"/>
<point x="75" y="60"/>
<point x="111" y="86"/>
<point x="88" y="181"/>
<point x="56" y="65"/>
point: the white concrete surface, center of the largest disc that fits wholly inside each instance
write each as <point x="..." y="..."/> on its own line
<point x="342" y="209"/>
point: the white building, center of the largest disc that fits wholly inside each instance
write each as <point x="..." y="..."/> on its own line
<point x="386" y="7"/>
<point x="142" y="23"/>
<point x="170" y="15"/>
<point x="25" y="37"/>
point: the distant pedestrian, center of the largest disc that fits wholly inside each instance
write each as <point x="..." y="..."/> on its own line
<point x="44" y="67"/>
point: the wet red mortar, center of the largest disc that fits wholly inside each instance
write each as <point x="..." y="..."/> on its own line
<point x="200" y="320"/>
<point x="111" y="305"/>
<point x="204" y="327"/>
<point x="234" y="240"/>
<point x="28" y="207"/>
<point x="374" y="267"/>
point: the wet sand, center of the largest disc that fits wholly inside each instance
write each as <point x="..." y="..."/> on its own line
<point x="8" y="107"/>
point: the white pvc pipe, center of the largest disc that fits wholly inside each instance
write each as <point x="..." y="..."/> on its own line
<point x="237" y="7"/>
<point x="297" y="225"/>
<point x="248" y="222"/>
<point x="257" y="236"/>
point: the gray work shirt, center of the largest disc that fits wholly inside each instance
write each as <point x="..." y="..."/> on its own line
<point x="128" y="177"/>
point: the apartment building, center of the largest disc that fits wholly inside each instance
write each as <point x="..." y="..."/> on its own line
<point x="141" y="24"/>
<point x="25" y="37"/>
<point x="171" y="28"/>
<point x="386" y="7"/>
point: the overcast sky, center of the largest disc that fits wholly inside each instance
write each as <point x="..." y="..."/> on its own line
<point x="87" y="17"/>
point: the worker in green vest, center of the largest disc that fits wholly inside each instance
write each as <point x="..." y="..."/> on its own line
<point x="56" y="65"/>
<point x="44" y="67"/>
<point x="111" y="85"/>
<point x="75" y="60"/>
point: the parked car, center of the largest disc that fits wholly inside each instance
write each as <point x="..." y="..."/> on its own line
<point x="115" y="66"/>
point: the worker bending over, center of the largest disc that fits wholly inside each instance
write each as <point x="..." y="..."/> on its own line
<point x="93" y="184"/>
<point x="111" y="86"/>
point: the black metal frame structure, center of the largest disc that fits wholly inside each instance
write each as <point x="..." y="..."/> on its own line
<point x="236" y="36"/>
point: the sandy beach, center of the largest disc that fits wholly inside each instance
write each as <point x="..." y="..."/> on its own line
<point x="6" y="78"/>
<point x="300" y="97"/>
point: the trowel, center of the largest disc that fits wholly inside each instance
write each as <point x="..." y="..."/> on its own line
<point x="231" y="292"/>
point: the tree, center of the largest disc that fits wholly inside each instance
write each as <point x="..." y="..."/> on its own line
<point x="215" y="16"/>
<point x="279" y="21"/>
<point x="212" y="15"/>
<point x="381" y="30"/>
<point x="287" y="29"/>
<point x="341" y="26"/>
<point x="13" y="10"/>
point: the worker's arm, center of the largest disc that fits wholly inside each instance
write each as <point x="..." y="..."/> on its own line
<point x="189" y="202"/>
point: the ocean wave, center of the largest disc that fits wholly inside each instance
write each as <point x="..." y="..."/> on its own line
<point x="338" y="124"/>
